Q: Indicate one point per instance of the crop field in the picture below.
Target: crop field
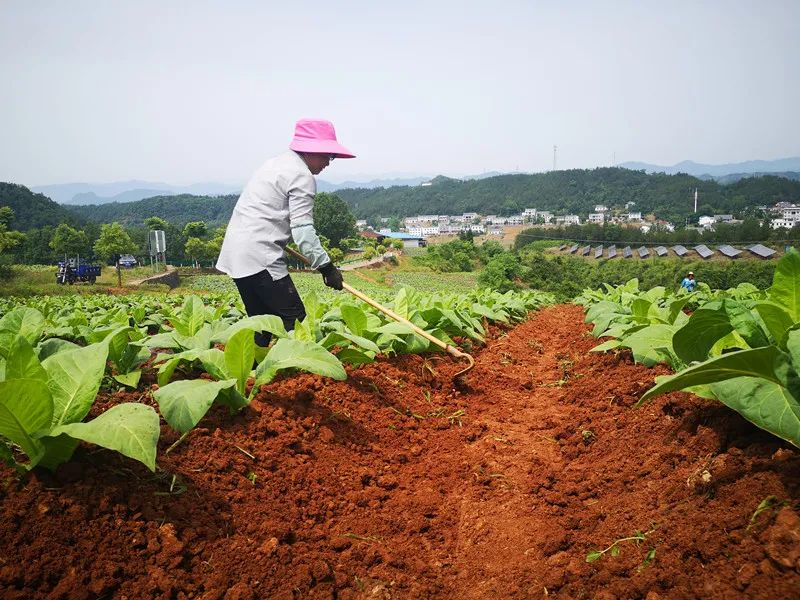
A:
(633, 444)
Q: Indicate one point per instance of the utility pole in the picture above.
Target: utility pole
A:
(695, 200)
(555, 151)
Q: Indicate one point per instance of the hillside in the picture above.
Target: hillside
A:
(577, 191)
(698, 169)
(574, 191)
(32, 211)
(178, 209)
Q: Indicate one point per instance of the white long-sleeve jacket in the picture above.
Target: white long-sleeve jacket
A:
(276, 205)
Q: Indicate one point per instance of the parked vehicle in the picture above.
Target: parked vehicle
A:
(128, 260)
(71, 271)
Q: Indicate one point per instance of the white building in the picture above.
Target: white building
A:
(515, 220)
(361, 224)
(596, 218)
(569, 220)
(723, 218)
(423, 231)
(529, 214)
(705, 221)
(634, 216)
(546, 216)
(777, 223)
(600, 208)
(469, 217)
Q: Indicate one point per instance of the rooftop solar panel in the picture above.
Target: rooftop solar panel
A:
(626, 252)
(703, 251)
(573, 248)
(643, 252)
(679, 250)
(598, 252)
(585, 250)
(661, 250)
(762, 251)
(729, 251)
(612, 251)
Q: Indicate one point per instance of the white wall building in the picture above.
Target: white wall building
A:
(361, 224)
(515, 220)
(634, 216)
(705, 221)
(600, 208)
(546, 216)
(469, 217)
(596, 218)
(569, 220)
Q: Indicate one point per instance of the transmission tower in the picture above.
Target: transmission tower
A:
(555, 154)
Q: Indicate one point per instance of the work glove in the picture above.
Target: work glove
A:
(331, 276)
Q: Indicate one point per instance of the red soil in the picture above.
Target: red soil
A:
(396, 484)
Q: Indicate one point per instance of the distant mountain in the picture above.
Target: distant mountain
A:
(127, 191)
(32, 211)
(326, 186)
(700, 170)
(734, 177)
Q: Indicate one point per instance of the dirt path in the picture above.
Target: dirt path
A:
(396, 484)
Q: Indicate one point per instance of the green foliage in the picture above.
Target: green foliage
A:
(333, 219)
(567, 276)
(741, 346)
(34, 211)
(67, 240)
(45, 395)
(501, 272)
(195, 229)
(113, 241)
(457, 255)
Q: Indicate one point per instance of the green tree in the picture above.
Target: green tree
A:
(67, 240)
(113, 241)
(394, 223)
(397, 244)
(369, 253)
(501, 272)
(198, 250)
(156, 223)
(333, 219)
(8, 238)
(195, 229)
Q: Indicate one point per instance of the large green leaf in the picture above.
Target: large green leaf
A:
(354, 318)
(758, 362)
(297, 354)
(25, 321)
(776, 318)
(650, 344)
(184, 403)
(26, 407)
(766, 404)
(131, 429)
(257, 323)
(53, 346)
(74, 378)
(239, 356)
(191, 318)
(22, 362)
(693, 341)
(785, 288)
(213, 361)
(167, 369)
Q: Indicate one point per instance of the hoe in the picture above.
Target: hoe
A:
(452, 350)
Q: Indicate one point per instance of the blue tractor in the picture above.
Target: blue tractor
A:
(72, 270)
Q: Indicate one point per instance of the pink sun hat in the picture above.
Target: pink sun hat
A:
(317, 135)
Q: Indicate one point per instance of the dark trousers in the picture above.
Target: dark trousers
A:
(264, 296)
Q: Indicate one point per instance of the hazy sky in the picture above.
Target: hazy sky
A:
(184, 92)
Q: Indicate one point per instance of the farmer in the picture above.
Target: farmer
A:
(688, 282)
(277, 205)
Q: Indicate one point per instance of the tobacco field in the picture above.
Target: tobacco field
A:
(633, 444)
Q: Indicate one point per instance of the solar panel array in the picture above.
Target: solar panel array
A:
(729, 251)
(703, 251)
(761, 251)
